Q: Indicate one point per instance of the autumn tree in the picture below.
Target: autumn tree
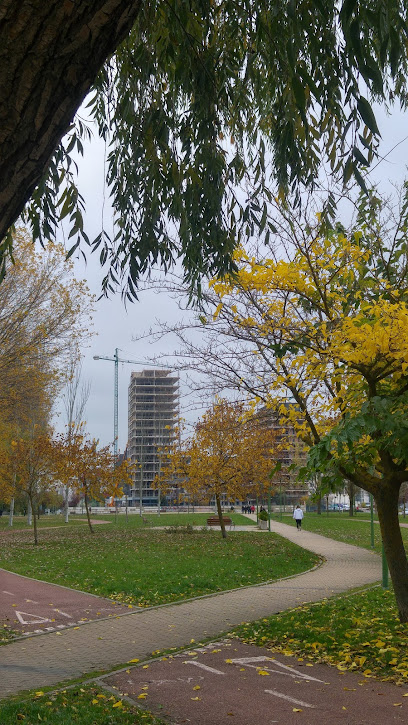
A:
(44, 318)
(230, 453)
(328, 326)
(28, 464)
(90, 470)
(190, 98)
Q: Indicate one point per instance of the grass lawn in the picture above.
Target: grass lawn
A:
(133, 520)
(350, 529)
(358, 632)
(84, 705)
(149, 567)
(20, 522)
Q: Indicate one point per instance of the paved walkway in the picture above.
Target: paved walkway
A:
(48, 659)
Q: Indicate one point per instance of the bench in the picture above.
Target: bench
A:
(214, 521)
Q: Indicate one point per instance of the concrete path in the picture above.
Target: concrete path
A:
(48, 659)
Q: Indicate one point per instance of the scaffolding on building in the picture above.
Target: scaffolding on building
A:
(153, 415)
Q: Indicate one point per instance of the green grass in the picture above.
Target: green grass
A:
(349, 529)
(133, 520)
(20, 522)
(359, 632)
(84, 705)
(172, 519)
(149, 567)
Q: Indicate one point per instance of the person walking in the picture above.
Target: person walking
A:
(298, 516)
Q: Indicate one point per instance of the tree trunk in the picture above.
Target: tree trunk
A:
(220, 516)
(31, 509)
(319, 505)
(352, 493)
(11, 514)
(29, 513)
(66, 507)
(50, 54)
(386, 500)
(88, 515)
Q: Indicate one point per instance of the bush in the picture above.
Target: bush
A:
(263, 516)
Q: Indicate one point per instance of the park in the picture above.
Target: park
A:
(202, 187)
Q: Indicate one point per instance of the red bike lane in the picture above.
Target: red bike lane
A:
(233, 683)
(29, 606)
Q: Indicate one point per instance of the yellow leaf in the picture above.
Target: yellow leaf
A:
(39, 693)
(229, 662)
(196, 687)
(142, 696)
(195, 698)
(135, 660)
(263, 672)
(118, 704)
(297, 709)
(95, 702)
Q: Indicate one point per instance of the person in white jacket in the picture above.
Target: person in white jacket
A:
(298, 516)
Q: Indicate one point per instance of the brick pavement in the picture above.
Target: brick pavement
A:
(47, 659)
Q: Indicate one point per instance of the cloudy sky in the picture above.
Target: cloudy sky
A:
(115, 325)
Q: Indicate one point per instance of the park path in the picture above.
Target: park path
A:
(46, 660)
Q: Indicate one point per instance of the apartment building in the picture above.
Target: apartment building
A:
(153, 412)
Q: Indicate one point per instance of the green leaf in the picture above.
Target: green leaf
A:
(359, 156)
(367, 114)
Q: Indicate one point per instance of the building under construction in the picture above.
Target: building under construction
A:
(153, 414)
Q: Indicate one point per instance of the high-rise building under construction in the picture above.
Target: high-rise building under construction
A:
(153, 413)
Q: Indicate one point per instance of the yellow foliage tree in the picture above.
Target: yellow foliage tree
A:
(44, 317)
(330, 325)
(88, 469)
(230, 453)
(27, 466)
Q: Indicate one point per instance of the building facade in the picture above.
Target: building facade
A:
(153, 413)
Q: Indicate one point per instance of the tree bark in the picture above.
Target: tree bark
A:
(220, 516)
(352, 494)
(34, 518)
(11, 514)
(66, 506)
(29, 513)
(50, 54)
(386, 500)
(319, 505)
(88, 515)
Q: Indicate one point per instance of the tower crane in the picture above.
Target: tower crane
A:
(116, 359)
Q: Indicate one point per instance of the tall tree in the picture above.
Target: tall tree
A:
(89, 469)
(75, 396)
(330, 325)
(29, 462)
(229, 454)
(195, 96)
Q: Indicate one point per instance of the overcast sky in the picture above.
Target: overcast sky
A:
(116, 325)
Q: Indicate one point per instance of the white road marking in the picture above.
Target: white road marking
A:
(203, 667)
(32, 618)
(248, 660)
(31, 601)
(291, 671)
(64, 614)
(10, 593)
(290, 699)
